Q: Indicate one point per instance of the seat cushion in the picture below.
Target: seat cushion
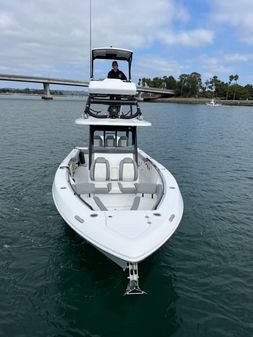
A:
(146, 188)
(128, 170)
(84, 188)
(100, 169)
(127, 187)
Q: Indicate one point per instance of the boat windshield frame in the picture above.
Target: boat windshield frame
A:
(132, 148)
(116, 54)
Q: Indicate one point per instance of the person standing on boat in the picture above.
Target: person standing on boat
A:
(116, 73)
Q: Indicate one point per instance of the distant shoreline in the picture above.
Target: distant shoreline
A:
(176, 100)
(200, 101)
(39, 95)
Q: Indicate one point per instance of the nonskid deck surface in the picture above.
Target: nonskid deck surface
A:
(114, 202)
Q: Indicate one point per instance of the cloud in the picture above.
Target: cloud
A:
(5, 21)
(155, 65)
(211, 66)
(191, 38)
(238, 57)
(43, 36)
(237, 14)
(39, 35)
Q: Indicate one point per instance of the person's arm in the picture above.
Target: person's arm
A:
(123, 76)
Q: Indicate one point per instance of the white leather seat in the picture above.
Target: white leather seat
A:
(128, 170)
(128, 174)
(123, 141)
(110, 141)
(100, 174)
(98, 141)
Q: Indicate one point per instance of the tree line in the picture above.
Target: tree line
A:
(191, 85)
(40, 91)
(28, 91)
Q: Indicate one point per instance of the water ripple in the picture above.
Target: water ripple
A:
(199, 283)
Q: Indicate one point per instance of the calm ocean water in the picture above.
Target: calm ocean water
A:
(200, 283)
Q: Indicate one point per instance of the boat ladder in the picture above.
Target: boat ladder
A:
(133, 285)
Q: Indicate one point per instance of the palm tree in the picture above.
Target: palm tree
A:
(231, 78)
(182, 81)
(236, 77)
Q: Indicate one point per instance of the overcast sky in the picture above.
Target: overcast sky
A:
(51, 37)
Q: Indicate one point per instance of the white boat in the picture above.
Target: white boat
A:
(112, 193)
(213, 103)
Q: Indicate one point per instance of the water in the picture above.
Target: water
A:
(200, 283)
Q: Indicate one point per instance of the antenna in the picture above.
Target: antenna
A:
(90, 25)
(90, 45)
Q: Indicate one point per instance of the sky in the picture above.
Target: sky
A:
(168, 37)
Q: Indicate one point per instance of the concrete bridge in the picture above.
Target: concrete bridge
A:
(47, 81)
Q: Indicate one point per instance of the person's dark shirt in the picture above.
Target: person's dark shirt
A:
(117, 74)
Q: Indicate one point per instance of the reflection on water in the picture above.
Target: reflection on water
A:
(199, 283)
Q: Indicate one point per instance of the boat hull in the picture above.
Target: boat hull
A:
(125, 236)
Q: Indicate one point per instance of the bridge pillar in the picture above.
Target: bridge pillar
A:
(47, 94)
